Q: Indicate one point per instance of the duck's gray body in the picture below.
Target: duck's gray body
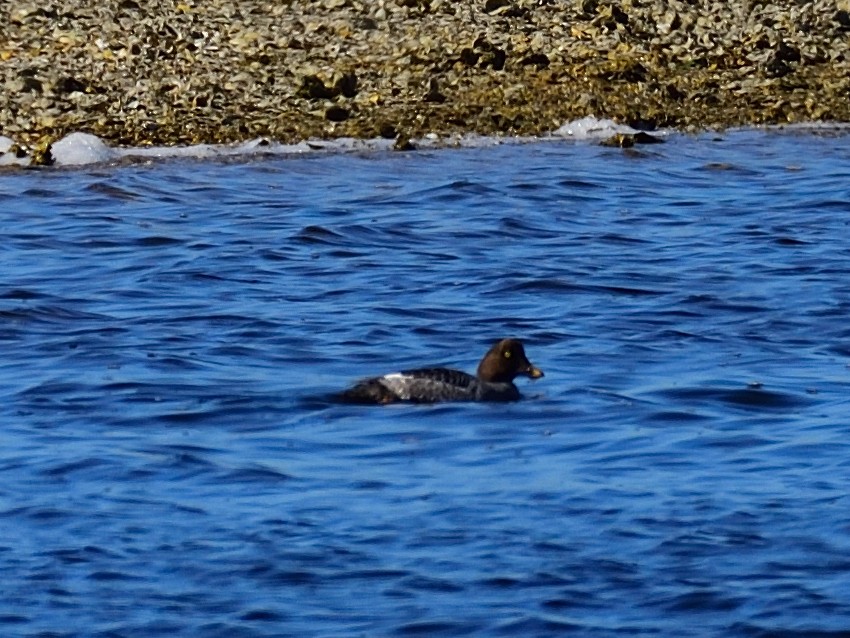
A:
(429, 385)
(493, 381)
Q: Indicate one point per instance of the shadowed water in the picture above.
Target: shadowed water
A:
(170, 334)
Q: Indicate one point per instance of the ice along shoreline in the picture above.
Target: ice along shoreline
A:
(82, 149)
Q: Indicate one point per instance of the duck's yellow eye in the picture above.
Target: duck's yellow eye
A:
(507, 354)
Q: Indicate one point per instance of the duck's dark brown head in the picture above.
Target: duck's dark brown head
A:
(505, 361)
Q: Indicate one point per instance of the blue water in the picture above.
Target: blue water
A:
(170, 334)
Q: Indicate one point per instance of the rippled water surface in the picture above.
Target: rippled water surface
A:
(171, 464)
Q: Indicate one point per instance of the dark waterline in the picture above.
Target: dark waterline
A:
(171, 466)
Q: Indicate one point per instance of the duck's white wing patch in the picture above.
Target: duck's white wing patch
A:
(430, 385)
(398, 383)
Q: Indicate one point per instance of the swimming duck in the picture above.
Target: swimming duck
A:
(493, 381)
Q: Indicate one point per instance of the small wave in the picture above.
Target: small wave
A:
(560, 285)
(458, 190)
(22, 294)
(155, 241)
(261, 475)
(113, 192)
(747, 397)
(261, 615)
(318, 235)
(64, 470)
(788, 630)
(701, 601)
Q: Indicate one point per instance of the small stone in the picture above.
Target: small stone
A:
(619, 140)
(346, 85)
(387, 131)
(540, 60)
(645, 138)
(433, 94)
(70, 84)
(787, 53)
(492, 6)
(469, 57)
(31, 83)
(403, 143)
(312, 87)
(41, 155)
(337, 113)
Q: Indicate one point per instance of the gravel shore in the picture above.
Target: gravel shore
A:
(163, 72)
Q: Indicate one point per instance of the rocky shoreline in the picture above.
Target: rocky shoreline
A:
(189, 71)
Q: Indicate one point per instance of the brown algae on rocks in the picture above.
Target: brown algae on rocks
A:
(182, 72)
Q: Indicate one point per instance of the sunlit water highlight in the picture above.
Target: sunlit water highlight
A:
(171, 464)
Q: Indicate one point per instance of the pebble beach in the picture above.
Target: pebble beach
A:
(184, 72)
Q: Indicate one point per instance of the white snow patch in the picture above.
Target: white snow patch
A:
(8, 158)
(591, 128)
(81, 148)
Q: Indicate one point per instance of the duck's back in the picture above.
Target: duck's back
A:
(429, 385)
